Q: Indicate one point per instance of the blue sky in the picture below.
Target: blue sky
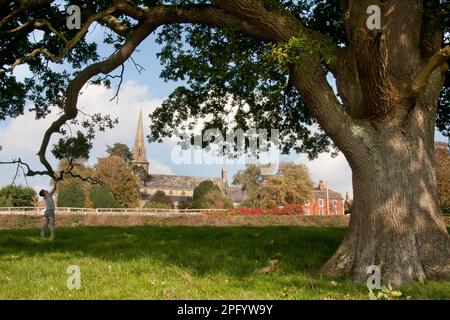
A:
(21, 137)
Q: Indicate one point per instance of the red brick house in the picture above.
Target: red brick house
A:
(324, 202)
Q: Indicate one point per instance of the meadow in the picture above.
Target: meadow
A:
(173, 262)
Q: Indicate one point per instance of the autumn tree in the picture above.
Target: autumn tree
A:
(208, 195)
(442, 168)
(114, 173)
(214, 199)
(292, 185)
(270, 62)
(123, 151)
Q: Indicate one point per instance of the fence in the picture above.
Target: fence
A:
(105, 211)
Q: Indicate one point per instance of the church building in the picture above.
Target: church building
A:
(178, 188)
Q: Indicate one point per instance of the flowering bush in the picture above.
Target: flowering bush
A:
(288, 210)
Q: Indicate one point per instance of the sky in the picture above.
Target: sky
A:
(21, 137)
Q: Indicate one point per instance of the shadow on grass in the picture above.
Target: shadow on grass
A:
(237, 251)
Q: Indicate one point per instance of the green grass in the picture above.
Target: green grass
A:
(180, 263)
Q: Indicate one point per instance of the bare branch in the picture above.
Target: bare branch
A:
(138, 67)
(29, 173)
(91, 180)
(116, 95)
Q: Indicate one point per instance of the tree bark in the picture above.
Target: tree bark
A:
(396, 222)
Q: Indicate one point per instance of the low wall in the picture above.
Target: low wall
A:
(19, 220)
(22, 221)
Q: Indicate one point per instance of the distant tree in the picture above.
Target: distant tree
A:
(250, 181)
(102, 197)
(441, 161)
(71, 195)
(201, 190)
(207, 195)
(215, 199)
(116, 174)
(123, 151)
(17, 196)
(120, 150)
(292, 185)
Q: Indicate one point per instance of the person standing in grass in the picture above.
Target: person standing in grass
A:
(49, 214)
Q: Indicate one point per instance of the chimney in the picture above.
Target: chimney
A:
(321, 185)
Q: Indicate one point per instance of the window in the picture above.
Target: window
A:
(320, 202)
(335, 203)
(334, 213)
(307, 202)
(307, 212)
(321, 212)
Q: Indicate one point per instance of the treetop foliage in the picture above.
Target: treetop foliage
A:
(230, 80)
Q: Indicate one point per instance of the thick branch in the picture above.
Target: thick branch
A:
(437, 60)
(116, 25)
(29, 173)
(70, 44)
(73, 90)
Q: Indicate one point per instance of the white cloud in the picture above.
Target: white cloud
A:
(157, 167)
(21, 137)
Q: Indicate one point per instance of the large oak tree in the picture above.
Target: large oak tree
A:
(271, 60)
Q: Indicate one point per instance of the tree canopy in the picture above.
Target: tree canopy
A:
(250, 82)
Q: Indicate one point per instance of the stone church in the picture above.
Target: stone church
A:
(178, 188)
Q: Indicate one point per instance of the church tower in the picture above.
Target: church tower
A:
(139, 152)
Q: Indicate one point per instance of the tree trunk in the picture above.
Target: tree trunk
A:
(396, 222)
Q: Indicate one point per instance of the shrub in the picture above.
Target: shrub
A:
(185, 205)
(288, 210)
(156, 205)
(162, 198)
(17, 196)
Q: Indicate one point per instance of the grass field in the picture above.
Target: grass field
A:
(180, 263)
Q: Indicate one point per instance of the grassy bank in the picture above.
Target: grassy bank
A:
(180, 263)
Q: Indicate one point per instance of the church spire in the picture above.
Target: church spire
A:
(139, 152)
